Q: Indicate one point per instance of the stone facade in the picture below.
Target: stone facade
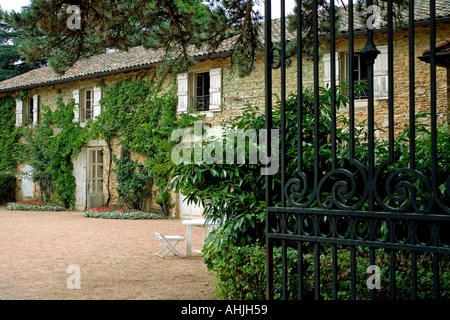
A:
(239, 92)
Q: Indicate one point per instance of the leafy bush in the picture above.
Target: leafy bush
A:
(7, 187)
(10, 148)
(116, 213)
(51, 147)
(35, 206)
(134, 181)
(237, 201)
(241, 271)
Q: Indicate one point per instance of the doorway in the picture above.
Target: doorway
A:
(94, 177)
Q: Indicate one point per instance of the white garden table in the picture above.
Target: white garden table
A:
(189, 224)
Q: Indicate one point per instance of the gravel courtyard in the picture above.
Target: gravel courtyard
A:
(116, 259)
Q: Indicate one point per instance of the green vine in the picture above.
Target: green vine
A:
(23, 94)
(10, 147)
(136, 112)
(52, 145)
(141, 116)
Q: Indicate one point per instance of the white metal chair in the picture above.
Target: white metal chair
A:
(170, 243)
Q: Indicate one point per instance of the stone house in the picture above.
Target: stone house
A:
(400, 63)
(212, 88)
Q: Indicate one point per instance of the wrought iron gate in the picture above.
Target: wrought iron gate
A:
(328, 221)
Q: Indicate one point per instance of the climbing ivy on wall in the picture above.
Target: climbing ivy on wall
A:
(136, 112)
(51, 146)
(10, 148)
(142, 117)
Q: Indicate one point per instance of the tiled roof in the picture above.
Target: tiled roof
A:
(421, 14)
(442, 54)
(140, 58)
(106, 63)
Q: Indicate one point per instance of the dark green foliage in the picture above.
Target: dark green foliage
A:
(10, 147)
(52, 145)
(39, 158)
(134, 181)
(240, 270)
(235, 191)
(172, 25)
(7, 187)
(142, 118)
(11, 63)
(240, 234)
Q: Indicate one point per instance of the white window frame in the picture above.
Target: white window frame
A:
(79, 96)
(342, 72)
(187, 90)
(27, 111)
(85, 101)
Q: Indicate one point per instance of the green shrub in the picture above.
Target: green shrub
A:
(115, 213)
(241, 271)
(237, 198)
(35, 206)
(7, 187)
(134, 181)
(10, 147)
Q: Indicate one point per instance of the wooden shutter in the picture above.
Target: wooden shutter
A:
(215, 89)
(19, 112)
(96, 103)
(76, 109)
(182, 79)
(327, 69)
(35, 109)
(380, 74)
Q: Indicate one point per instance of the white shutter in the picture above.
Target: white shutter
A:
(96, 104)
(182, 79)
(327, 69)
(76, 110)
(215, 89)
(380, 74)
(35, 109)
(19, 112)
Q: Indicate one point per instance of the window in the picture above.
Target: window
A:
(201, 95)
(200, 91)
(359, 72)
(28, 112)
(87, 105)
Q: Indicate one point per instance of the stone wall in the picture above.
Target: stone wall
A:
(401, 78)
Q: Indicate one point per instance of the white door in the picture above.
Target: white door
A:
(95, 178)
(27, 182)
(189, 211)
(80, 174)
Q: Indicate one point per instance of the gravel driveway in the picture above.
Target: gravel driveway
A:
(49, 255)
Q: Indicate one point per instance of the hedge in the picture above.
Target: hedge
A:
(7, 187)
